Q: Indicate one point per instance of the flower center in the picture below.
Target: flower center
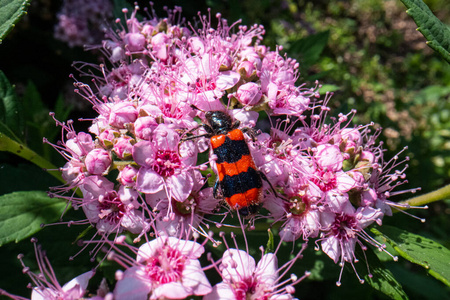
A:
(171, 111)
(111, 208)
(166, 266)
(185, 207)
(297, 206)
(344, 227)
(326, 181)
(166, 162)
(249, 289)
(204, 84)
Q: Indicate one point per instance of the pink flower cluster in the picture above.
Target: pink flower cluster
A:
(81, 22)
(140, 167)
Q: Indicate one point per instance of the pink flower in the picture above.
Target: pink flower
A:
(163, 167)
(45, 284)
(344, 229)
(72, 290)
(109, 210)
(165, 267)
(244, 279)
(176, 218)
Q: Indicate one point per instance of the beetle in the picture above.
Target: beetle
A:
(238, 178)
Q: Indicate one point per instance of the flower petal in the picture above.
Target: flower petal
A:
(180, 186)
(133, 286)
(195, 278)
(331, 247)
(148, 181)
(267, 269)
(237, 265)
(172, 290)
(220, 291)
(76, 288)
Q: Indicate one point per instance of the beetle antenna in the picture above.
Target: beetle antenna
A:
(195, 107)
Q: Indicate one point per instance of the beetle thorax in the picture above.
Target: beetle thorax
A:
(219, 121)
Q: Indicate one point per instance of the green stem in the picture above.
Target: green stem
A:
(440, 194)
(7, 144)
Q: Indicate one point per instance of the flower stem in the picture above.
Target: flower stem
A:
(19, 149)
(440, 194)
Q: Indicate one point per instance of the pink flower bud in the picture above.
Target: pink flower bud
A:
(197, 45)
(122, 113)
(123, 147)
(127, 176)
(72, 171)
(81, 144)
(144, 126)
(329, 157)
(107, 137)
(249, 93)
(147, 30)
(253, 57)
(97, 161)
(352, 134)
(134, 41)
(368, 156)
(159, 43)
(226, 62)
(117, 52)
(246, 69)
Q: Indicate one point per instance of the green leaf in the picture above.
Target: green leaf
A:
(22, 213)
(434, 257)
(436, 32)
(119, 5)
(419, 285)
(308, 49)
(11, 119)
(33, 102)
(24, 177)
(10, 13)
(382, 280)
(61, 109)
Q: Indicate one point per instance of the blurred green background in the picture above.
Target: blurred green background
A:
(367, 52)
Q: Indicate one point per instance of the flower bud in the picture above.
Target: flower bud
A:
(159, 44)
(107, 137)
(122, 113)
(97, 161)
(81, 144)
(246, 69)
(123, 147)
(144, 126)
(134, 41)
(127, 176)
(71, 171)
(249, 93)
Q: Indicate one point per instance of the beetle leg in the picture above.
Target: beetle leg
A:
(251, 132)
(216, 188)
(264, 177)
(208, 133)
